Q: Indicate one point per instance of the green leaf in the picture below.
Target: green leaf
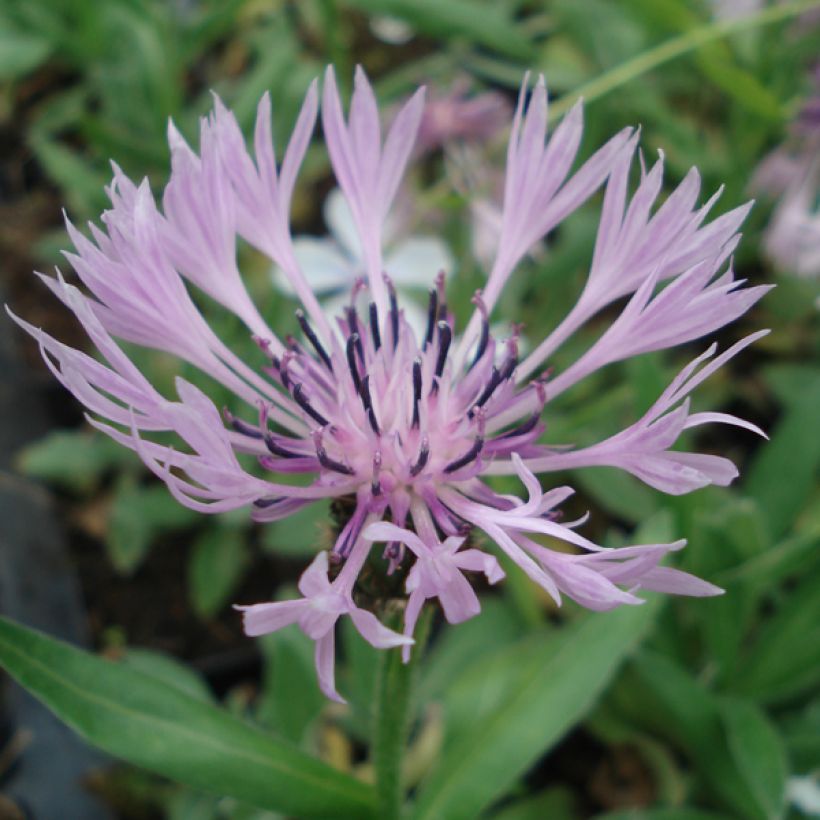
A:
(618, 493)
(660, 814)
(555, 803)
(136, 717)
(20, 53)
(215, 567)
(758, 753)
(784, 661)
(550, 686)
(291, 699)
(301, 534)
(783, 475)
(138, 514)
(73, 460)
(169, 670)
(662, 696)
(480, 23)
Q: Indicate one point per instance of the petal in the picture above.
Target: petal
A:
(478, 561)
(260, 619)
(458, 600)
(314, 579)
(325, 666)
(375, 632)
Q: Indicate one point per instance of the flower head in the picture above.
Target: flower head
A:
(407, 424)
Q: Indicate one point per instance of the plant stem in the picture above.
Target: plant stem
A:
(394, 686)
(675, 47)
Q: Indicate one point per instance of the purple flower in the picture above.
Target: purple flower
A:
(791, 175)
(361, 406)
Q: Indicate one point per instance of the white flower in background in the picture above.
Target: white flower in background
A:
(333, 263)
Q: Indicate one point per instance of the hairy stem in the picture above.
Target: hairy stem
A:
(394, 688)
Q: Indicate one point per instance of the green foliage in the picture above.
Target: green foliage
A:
(720, 700)
(141, 719)
(506, 711)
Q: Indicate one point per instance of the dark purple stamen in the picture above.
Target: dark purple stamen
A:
(301, 399)
(351, 362)
(424, 456)
(508, 367)
(283, 373)
(241, 426)
(277, 449)
(374, 326)
(445, 336)
(394, 313)
(313, 339)
(482, 342)
(523, 428)
(469, 456)
(331, 464)
(494, 381)
(416, 391)
(368, 404)
(432, 310)
(264, 503)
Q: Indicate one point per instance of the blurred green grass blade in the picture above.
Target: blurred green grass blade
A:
(215, 568)
(482, 24)
(75, 460)
(665, 698)
(660, 814)
(784, 661)
(784, 473)
(673, 48)
(138, 718)
(20, 52)
(555, 803)
(715, 60)
(291, 699)
(551, 686)
(758, 753)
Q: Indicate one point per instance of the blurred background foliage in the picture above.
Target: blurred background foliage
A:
(715, 711)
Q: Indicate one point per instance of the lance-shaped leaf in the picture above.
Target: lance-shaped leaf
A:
(146, 722)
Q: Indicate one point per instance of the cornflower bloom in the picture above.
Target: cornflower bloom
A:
(360, 407)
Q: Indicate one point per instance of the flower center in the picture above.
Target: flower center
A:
(396, 412)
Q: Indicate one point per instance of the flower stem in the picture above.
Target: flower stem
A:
(394, 686)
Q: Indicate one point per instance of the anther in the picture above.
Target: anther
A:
(276, 449)
(374, 326)
(432, 312)
(325, 460)
(241, 426)
(351, 361)
(508, 367)
(375, 484)
(300, 398)
(478, 301)
(394, 310)
(424, 457)
(492, 383)
(523, 428)
(313, 338)
(263, 503)
(416, 391)
(469, 456)
(445, 336)
(368, 405)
